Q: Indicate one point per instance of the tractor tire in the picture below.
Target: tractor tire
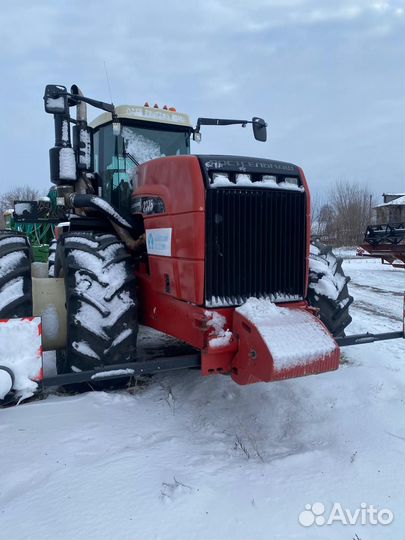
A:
(15, 275)
(327, 288)
(101, 302)
(51, 258)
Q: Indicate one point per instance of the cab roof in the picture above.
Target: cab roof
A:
(144, 114)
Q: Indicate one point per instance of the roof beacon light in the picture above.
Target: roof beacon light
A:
(173, 109)
(155, 106)
(146, 104)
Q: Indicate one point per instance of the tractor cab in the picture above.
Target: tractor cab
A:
(135, 135)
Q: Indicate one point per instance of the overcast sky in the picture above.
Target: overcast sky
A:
(327, 75)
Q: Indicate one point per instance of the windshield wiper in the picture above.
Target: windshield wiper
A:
(131, 157)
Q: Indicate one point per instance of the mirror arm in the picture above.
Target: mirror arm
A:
(222, 122)
(74, 99)
(219, 122)
(109, 107)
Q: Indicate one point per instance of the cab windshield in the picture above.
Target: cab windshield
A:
(117, 156)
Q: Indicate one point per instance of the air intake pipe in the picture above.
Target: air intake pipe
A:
(92, 201)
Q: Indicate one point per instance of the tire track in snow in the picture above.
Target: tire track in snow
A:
(374, 289)
(377, 311)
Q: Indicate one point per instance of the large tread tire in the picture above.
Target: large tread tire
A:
(327, 288)
(15, 275)
(100, 301)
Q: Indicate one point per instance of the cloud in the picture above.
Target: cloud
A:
(327, 76)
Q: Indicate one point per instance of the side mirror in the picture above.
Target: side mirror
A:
(62, 163)
(55, 99)
(259, 129)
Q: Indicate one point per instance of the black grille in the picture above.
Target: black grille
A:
(255, 245)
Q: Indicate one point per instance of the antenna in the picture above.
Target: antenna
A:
(108, 81)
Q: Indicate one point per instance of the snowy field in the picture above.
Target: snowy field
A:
(186, 457)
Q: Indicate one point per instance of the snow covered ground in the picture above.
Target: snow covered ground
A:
(186, 457)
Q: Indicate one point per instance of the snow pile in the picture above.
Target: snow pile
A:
(140, 147)
(67, 164)
(293, 336)
(245, 180)
(221, 337)
(278, 297)
(221, 180)
(290, 186)
(20, 350)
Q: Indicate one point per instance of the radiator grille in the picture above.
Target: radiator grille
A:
(255, 245)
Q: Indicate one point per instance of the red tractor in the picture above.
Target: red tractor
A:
(212, 250)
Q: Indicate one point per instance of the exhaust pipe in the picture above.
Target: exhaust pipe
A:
(81, 110)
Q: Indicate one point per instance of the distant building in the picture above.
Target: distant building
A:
(392, 210)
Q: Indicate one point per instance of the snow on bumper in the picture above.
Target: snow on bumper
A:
(21, 353)
(280, 343)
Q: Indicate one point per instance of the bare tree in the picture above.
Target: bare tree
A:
(348, 213)
(20, 193)
(326, 222)
(315, 209)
